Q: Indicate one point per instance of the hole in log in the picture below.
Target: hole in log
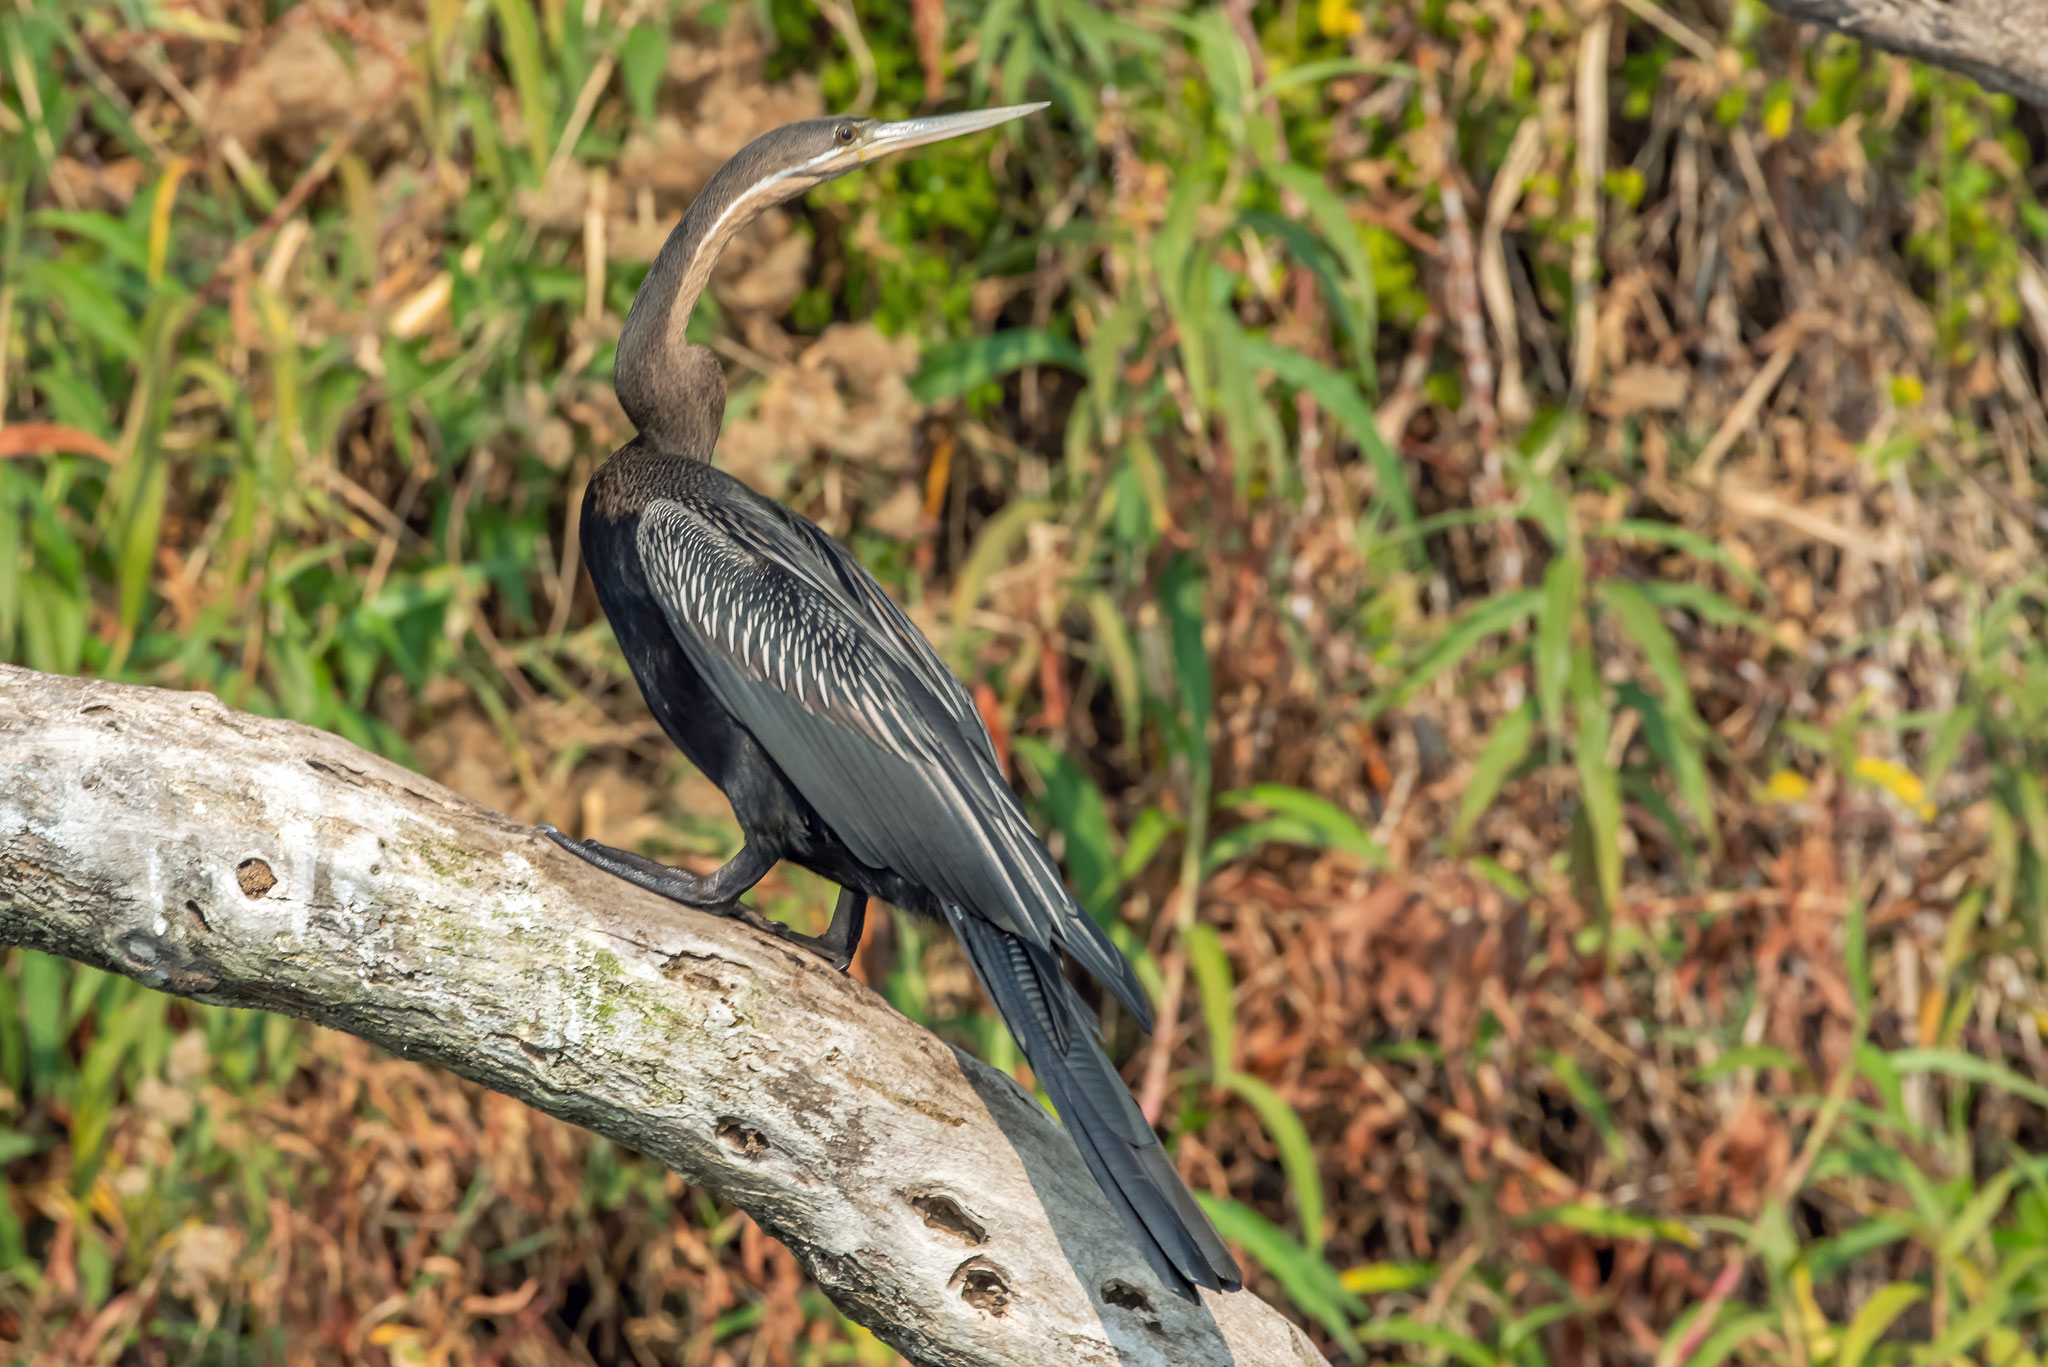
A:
(982, 1287)
(942, 1212)
(92, 707)
(1123, 1294)
(742, 1139)
(255, 877)
(192, 910)
(140, 949)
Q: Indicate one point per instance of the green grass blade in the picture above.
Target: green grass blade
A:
(1587, 1098)
(1737, 1327)
(1297, 1153)
(1215, 992)
(1119, 661)
(1341, 399)
(1312, 1284)
(1563, 589)
(1606, 1223)
(1599, 784)
(1997, 1303)
(1985, 1206)
(522, 48)
(642, 55)
(1403, 1329)
(84, 299)
(1968, 1068)
(1681, 539)
(1638, 618)
(954, 368)
(1082, 815)
(1503, 753)
(1299, 818)
(1000, 535)
(1488, 617)
(1708, 606)
(1181, 596)
(1335, 226)
(1313, 253)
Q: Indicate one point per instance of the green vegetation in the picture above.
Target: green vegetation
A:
(1503, 545)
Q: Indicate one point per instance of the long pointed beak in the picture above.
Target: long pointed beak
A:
(897, 137)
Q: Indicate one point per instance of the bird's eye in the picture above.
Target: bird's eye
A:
(844, 134)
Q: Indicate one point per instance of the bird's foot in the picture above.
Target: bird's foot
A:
(710, 894)
(836, 955)
(678, 885)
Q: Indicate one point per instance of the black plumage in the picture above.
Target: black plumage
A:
(783, 671)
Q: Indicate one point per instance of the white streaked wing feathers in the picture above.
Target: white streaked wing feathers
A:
(840, 713)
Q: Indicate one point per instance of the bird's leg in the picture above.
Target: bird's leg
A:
(848, 920)
(842, 937)
(718, 892)
(835, 946)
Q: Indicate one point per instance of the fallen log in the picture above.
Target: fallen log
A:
(250, 862)
(2000, 44)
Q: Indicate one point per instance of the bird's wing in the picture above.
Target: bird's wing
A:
(846, 696)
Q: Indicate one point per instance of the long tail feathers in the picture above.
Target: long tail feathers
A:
(1058, 1035)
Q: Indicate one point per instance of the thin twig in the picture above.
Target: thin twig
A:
(1678, 32)
(1525, 155)
(842, 18)
(1751, 402)
(1681, 1350)
(1591, 97)
(1461, 304)
(243, 253)
(593, 87)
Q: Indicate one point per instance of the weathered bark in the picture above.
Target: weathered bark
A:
(260, 863)
(2001, 44)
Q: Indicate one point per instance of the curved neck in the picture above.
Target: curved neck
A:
(675, 392)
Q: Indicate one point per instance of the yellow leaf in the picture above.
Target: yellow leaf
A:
(1818, 1334)
(1785, 786)
(1339, 18)
(1902, 783)
(186, 22)
(1372, 1279)
(1975, 1279)
(1875, 1316)
(2005, 1347)
(1778, 118)
(160, 216)
(1933, 1007)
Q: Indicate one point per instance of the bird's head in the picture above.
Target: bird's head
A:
(674, 394)
(784, 162)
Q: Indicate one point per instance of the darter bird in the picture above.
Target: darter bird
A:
(783, 671)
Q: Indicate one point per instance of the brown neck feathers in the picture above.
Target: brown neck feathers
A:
(675, 392)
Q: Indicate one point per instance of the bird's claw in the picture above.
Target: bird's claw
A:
(746, 915)
(838, 958)
(671, 883)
